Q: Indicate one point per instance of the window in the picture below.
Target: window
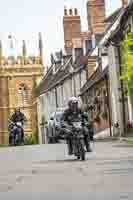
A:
(23, 93)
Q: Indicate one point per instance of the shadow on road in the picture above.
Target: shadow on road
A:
(123, 145)
(59, 161)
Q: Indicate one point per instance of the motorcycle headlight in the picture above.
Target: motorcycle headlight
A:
(57, 128)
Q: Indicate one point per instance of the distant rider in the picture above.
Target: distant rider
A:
(18, 116)
(74, 112)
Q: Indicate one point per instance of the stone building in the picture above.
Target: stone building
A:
(17, 78)
(63, 80)
(95, 93)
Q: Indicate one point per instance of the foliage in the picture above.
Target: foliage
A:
(130, 141)
(35, 136)
(129, 130)
(97, 118)
(28, 140)
(105, 115)
(127, 60)
(32, 139)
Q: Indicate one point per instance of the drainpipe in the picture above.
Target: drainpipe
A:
(108, 102)
(56, 98)
(122, 92)
(117, 45)
(74, 85)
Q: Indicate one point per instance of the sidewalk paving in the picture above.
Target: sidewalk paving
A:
(105, 136)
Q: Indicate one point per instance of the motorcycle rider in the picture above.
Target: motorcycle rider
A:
(74, 112)
(18, 116)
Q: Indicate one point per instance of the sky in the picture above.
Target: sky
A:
(23, 19)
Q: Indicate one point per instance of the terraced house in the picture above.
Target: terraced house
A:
(104, 93)
(85, 69)
(68, 72)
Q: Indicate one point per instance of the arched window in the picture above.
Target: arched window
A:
(23, 93)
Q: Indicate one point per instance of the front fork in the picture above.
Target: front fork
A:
(78, 143)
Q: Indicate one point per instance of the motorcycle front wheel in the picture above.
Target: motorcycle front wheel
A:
(82, 150)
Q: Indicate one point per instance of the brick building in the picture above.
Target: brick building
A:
(73, 34)
(72, 26)
(96, 16)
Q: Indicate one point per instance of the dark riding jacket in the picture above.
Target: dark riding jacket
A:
(68, 117)
(17, 117)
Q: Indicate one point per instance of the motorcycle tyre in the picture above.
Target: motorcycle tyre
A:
(82, 150)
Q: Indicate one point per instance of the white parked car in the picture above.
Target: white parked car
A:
(54, 126)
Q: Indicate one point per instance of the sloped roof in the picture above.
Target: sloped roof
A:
(111, 18)
(118, 27)
(94, 79)
(52, 80)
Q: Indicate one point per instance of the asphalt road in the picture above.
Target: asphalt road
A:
(47, 173)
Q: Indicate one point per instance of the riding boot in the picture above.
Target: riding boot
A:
(87, 144)
(22, 135)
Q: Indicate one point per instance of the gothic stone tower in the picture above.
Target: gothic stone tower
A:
(17, 77)
(96, 15)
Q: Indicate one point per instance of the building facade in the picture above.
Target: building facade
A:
(55, 90)
(122, 105)
(85, 70)
(101, 93)
(17, 78)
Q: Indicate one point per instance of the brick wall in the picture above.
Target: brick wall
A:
(72, 26)
(96, 15)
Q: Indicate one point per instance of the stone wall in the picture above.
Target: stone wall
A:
(4, 110)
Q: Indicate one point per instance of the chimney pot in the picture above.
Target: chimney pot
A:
(65, 11)
(71, 12)
(76, 11)
(124, 3)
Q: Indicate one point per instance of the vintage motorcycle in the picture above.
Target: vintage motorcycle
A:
(15, 133)
(77, 138)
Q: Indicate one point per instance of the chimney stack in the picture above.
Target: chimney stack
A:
(124, 3)
(72, 26)
(96, 15)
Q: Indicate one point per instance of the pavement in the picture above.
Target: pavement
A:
(46, 172)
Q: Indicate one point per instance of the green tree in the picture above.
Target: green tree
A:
(127, 60)
(32, 139)
(35, 136)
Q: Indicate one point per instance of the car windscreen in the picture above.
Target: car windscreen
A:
(58, 116)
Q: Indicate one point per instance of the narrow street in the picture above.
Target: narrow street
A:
(46, 172)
